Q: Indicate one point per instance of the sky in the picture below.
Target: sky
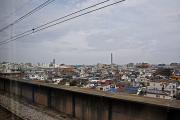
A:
(134, 31)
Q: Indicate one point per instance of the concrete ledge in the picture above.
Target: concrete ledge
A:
(174, 104)
(86, 104)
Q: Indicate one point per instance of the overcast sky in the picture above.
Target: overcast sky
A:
(134, 31)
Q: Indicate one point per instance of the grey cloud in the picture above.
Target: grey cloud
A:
(135, 31)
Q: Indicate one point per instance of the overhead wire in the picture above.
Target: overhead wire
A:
(28, 14)
(15, 11)
(34, 28)
(43, 28)
(73, 13)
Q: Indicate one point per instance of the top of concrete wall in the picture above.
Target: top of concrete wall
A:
(121, 96)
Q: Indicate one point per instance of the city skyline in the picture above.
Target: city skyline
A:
(107, 63)
(134, 31)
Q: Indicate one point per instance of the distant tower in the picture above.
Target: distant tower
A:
(111, 58)
(54, 62)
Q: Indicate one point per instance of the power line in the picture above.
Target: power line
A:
(72, 13)
(80, 15)
(28, 14)
(16, 10)
(34, 31)
(29, 31)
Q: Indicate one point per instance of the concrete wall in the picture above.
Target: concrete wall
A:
(62, 101)
(15, 88)
(91, 107)
(2, 85)
(27, 92)
(131, 111)
(86, 106)
(40, 95)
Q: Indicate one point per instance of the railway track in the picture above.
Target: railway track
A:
(6, 115)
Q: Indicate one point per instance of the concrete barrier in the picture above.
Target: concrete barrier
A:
(87, 104)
